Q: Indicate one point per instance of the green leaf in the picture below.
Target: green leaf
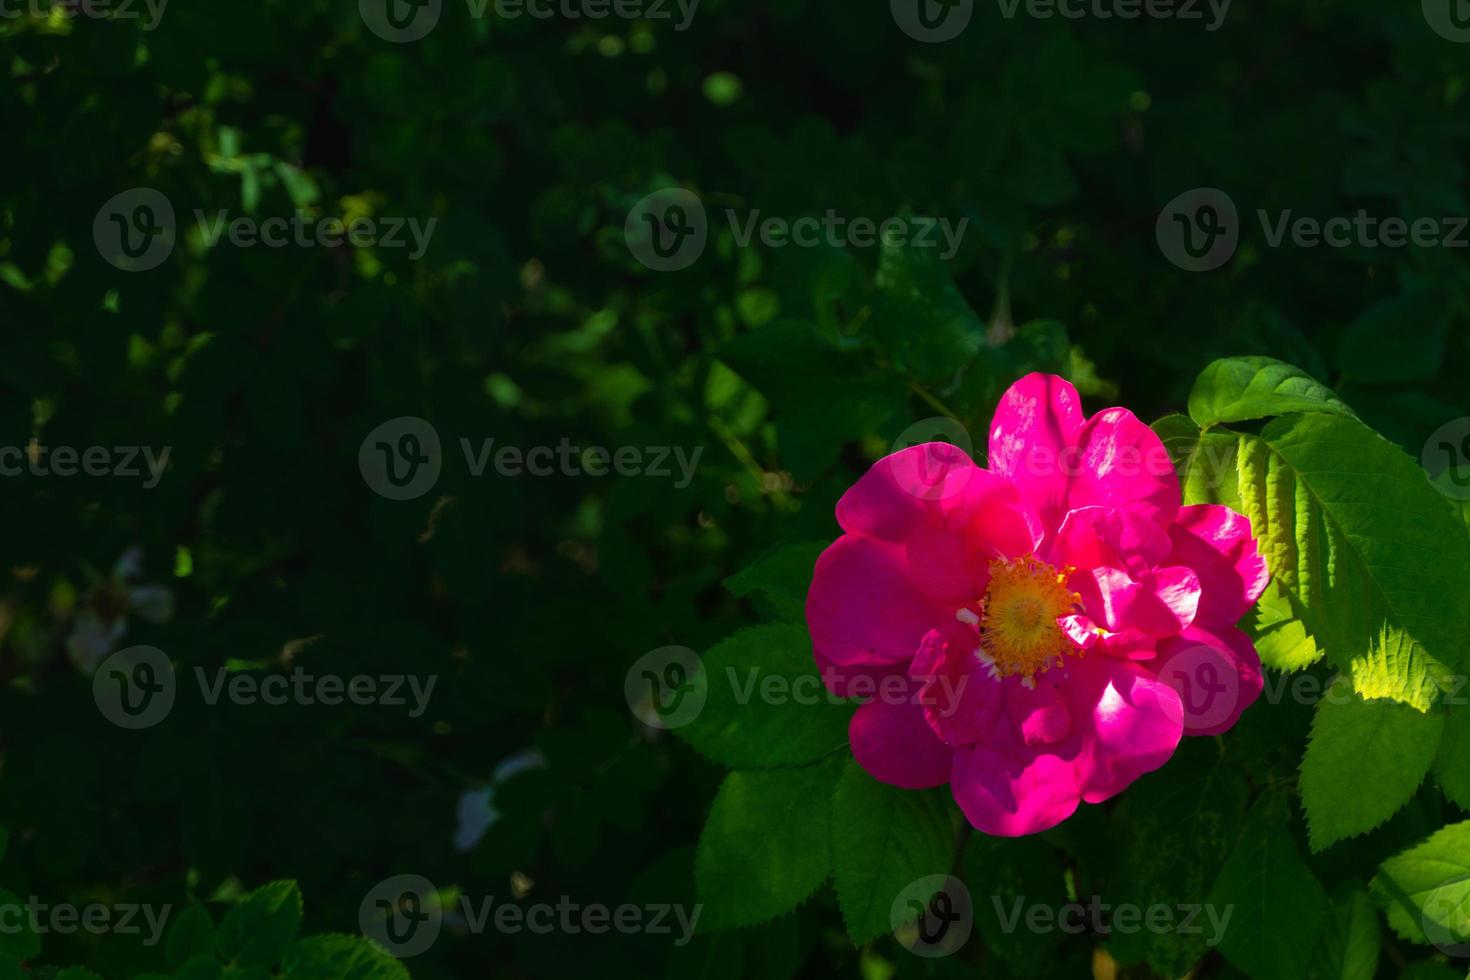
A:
(1278, 632)
(1355, 744)
(339, 957)
(190, 935)
(766, 845)
(822, 395)
(1007, 877)
(1269, 886)
(767, 705)
(782, 576)
(1205, 462)
(22, 943)
(1350, 945)
(1452, 767)
(1399, 341)
(770, 950)
(1426, 888)
(883, 839)
(1234, 389)
(257, 930)
(77, 973)
(920, 317)
(200, 968)
(1171, 834)
(1373, 558)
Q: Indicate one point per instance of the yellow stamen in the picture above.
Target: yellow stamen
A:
(1018, 627)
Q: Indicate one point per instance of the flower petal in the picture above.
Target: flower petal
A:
(1217, 543)
(1039, 713)
(1217, 674)
(895, 745)
(959, 698)
(1129, 722)
(1122, 463)
(856, 680)
(1092, 537)
(863, 608)
(904, 489)
(1011, 794)
(1161, 602)
(1034, 429)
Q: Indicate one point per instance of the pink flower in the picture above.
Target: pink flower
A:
(1041, 632)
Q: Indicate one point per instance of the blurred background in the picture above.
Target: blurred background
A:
(323, 325)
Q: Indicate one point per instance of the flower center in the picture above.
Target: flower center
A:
(1018, 624)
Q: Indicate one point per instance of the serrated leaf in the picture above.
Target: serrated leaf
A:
(1277, 629)
(1234, 389)
(766, 703)
(883, 839)
(1269, 886)
(1364, 760)
(339, 957)
(1373, 558)
(1452, 767)
(1426, 889)
(259, 928)
(766, 845)
(191, 934)
(1350, 944)
(782, 577)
